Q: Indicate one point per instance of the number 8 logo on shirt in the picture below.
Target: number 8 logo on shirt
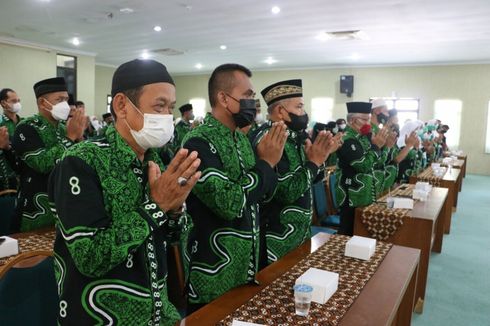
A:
(75, 187)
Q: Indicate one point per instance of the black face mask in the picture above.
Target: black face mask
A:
(298, 122)
(382, 118)
(247, 113)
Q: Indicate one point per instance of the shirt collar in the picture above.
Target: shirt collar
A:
(218, 127)
(124, 152)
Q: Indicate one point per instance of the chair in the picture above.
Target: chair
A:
(321, 209)
(7, 207)
(28, 295)
(325, 192)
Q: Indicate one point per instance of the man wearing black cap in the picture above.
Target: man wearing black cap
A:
(223, 246)
(286, 219)
(39, 142)
(10, 103)
(117, 212)
(358, 154)
(184, 125)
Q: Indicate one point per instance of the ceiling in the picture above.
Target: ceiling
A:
(401, 32)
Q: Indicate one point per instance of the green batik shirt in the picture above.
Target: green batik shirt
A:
(391, 168)
(181, 129)
(38, 146)
(407, 167)
(288, 215)
(355, 170)
(8, 166)
(380, 166)
(223, 246)
(111, 241)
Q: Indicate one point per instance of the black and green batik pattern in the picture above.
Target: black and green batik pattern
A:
(355, 171)
(38, 145)
(181, 130)
(110, 250)
(8, 176)
(223, 247)
(289, 213)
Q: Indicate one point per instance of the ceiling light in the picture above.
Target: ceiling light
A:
(343, 35)
(324, 36)
(157, 28)
(145, 55)
(75, 41)
(126, 10)
(198, 66)
(222, 47)
(270, 60)
(275, 10)
(355, 56)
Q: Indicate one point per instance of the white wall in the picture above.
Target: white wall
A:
(22, 67)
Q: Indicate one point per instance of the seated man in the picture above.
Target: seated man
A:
(116, 210)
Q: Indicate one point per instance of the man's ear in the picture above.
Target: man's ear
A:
(221, 99)
(119, 106)
(41, 102)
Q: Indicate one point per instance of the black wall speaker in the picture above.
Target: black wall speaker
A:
(347, 84)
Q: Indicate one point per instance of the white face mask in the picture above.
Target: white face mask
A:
(342, 126)
(60, 111)
(16, 107)
(157, 130)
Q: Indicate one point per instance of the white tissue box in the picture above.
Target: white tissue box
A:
(360, 247)
(324, 283)
(406, 203)
(243, 323)
(425, 186)
(420, 194)
(9, 247)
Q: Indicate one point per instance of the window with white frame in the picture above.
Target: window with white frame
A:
(449, 112)
(198, 107)
(487, 142)
(407, 108)
(321, 109)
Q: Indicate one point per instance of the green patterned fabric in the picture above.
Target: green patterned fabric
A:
(407, 167)
(8, 177)
(288, 214)
(223, 247)
(379, 166)
(38, 145)
(110, 249)
(181, 130)
(391, 168)
(357, 158)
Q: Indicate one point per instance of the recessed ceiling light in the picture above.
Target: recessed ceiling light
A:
(275, 10)
(343, 35)
(157, 28)
(126, 10)
(145, 55)
(198, 66)
(323, 36)
(75, 41)
(355, 56)
(270, 60)
(222, 47)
